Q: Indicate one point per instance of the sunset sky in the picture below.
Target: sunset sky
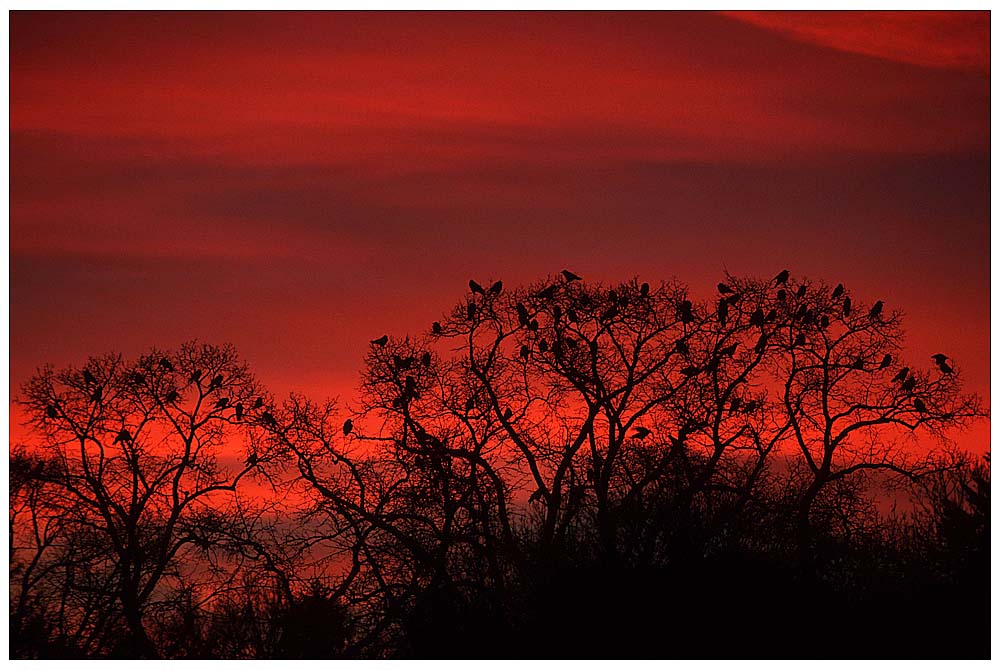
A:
(300, 183)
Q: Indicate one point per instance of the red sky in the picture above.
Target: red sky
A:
(300, 183)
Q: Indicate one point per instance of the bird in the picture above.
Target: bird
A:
(886, 362)
(525, 351)
(268, 419)
(52, 412)
(476, 288)
(507, 414)
(251, 460)
(571, 276)
(222, 403)
(723, 312)
(173, 396)
(543, 346)
(901, 375)
(436, 328)
(471, 311)
(734, 404)
(728, 351)
(771, 316)
(681, 347)
(522, 314)
(533, 325)
(724, 289)
(876, 311)
(258, 403)
(858, 364)
(847, 306)
(684, 311)
(690, 371)
(88, 377)
(641, 433)
(548, 292)
(800, 340)
(216, 382)
(571, 315)
(166, 364)
(919, 405)
(138, 378)
(801, 293)
(644, 289)
(496, 287)
(781, 295)
(837, 292)
(195, 376)
(123, 436)
(757, 318)
(425, 359)
(800, 313)
(610, 313)
(945, 368)
(824, 321)
(381, 341)
(781, 278)
(239, 411)
(751, 406)
(761, 343)
(909, 384)
(940, 358)
(348, 427)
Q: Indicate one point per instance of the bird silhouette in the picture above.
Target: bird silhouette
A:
(475, 287)
(239, 411)
(525, 351)
(723, 312)
(268, 419)
(641, 433)
(533, 325)
(548, 293)
(138, 378)
(724, 289)
(757, 318)
(781, 295)
(251, 460)
(909, 384)
(507, 414)
(381, 341)
(52, 412)
(690, 371)
(734, 404)
(684, 311)
(847, 306)
(570, 276)
(216, 382)
(945, 368)
(543, 346)
(195, 376)
(751, 406)
(800, 340)
(728, 351)
(348, 427)
(858, 364)
(801, 293)
(610, 313)
(644, 289)
(837, 292)
(681, 347)
(571, 315)
(886, 362)
(919, 405)
(436, 328)
(771, 316)
(781, 278)
(471, 311)
(876, 311)
(761, 343)
(800, 313)
(901, 375)
(88, 377)
(940, 358)
(425, 359)
(258, 403)
(166, 364)
(522, 314)
(123, 436)
(734, 299)
(496, 287)
(173, 396)
(222, 403)
(824, 322)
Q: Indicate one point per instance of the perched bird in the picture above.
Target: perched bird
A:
(771, 316)
(476, 288)
(800, 340)
(436, 328)
(173, 396)
(548, 292)
(690, 371)
(940, 358)
(734, 404)
(781, 278)
(761, 344)
(239, 411)
(571, 315)
(684, 311)
(723, 312)
(757, 318)
(52, 412)
(348, 427)
(543, 346)
(166, 364)
(800, 313)
(824, 321)
(88, 377)
(724, 289)
(734, 298)
(681, 347)
(886, 362)
(123, 436)
(216, 382)
(381, 341)
(781, 295)
(641, 433)
(258, 403)
(570, 276)
(222, 403)
(610, 313)
(751, 406)
(728, 351)
(945, 368)
(533, 325)
(507, 414)
(525, 351)
(425, 359)
(858, 364)
(909, 384)
(644, 289)
(876, 311)
(496, 287)
(138, 378)
(195, 376)
(847, 306)
(522, 314)
(919, 405)
(268, 419)
(251, 460)
(471, 311)
(801, 293)
(837, 292)
(901, 375)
